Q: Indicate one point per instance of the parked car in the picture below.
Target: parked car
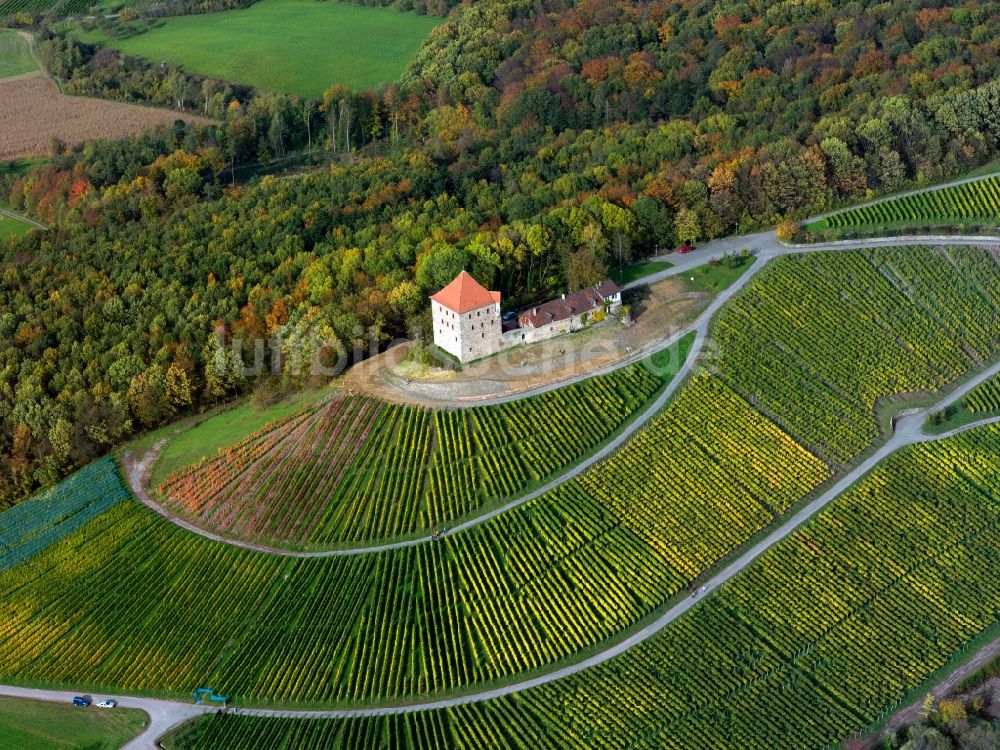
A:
(509, 316)
(82, 701)
(107, 703)
(685, 249)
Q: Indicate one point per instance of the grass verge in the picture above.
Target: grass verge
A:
(43, 726)
(638, 270)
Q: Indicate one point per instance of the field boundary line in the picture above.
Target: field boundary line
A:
(167, 714)
(20, 217)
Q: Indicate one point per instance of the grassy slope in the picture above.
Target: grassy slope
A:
(41, 726)
(706, 278)
(15, 57)
(12, 227)
(713, 279)
(224, 429)
(956, 416)
(666, 363)
(298, 46)
(638, 270)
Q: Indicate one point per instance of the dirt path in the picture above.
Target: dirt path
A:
(17, 216)
(945, 687)
(528, 370)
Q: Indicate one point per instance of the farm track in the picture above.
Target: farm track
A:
(765, 247)
(907, 431)
(166, 714)
(939, 690)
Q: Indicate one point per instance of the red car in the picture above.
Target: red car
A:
(685, 249)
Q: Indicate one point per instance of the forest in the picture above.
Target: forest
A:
(537, 144)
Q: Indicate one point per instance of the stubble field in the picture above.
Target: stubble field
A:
(33, 111)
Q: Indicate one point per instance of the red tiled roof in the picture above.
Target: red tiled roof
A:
(464, 293)
(570, 305)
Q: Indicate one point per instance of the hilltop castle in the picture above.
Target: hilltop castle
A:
(468, 325)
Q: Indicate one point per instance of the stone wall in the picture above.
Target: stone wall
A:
(532, 335)
(469, 335)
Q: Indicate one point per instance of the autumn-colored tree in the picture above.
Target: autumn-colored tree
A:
(584, 268)
(178, 386)
(687, 226)
(787, 231)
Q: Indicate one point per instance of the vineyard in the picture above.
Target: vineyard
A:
(985, 398)
(31, 526)
(64, 7)
(730, 453)
(534, 585)
(972, 203)
(821, 636)
(714, 440)
(356, 469)
(817, 340)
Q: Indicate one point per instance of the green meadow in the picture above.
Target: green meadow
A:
(12, 227)
(15, 57)
(299, 46)
(36, 725)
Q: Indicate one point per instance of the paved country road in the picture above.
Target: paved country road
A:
(765, 247)
(907, 431)
(20, 217)
(165, 714)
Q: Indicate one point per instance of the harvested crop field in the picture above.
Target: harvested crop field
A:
(33, 110)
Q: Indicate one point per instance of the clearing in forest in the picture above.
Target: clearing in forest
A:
(298, 46)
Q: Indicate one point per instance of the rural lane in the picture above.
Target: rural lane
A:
(22, 218)
(764, 246)
(165, 714)
(137, 470)
(767, 245)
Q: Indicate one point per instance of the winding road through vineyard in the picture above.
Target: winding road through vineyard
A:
(167, 714)
(906, 431)
(764, 246)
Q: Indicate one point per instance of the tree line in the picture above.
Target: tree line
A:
(535, 144)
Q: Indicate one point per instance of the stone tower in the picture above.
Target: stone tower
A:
(467, 319)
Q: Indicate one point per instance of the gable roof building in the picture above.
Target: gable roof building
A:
(572, 305)
(467, 322)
